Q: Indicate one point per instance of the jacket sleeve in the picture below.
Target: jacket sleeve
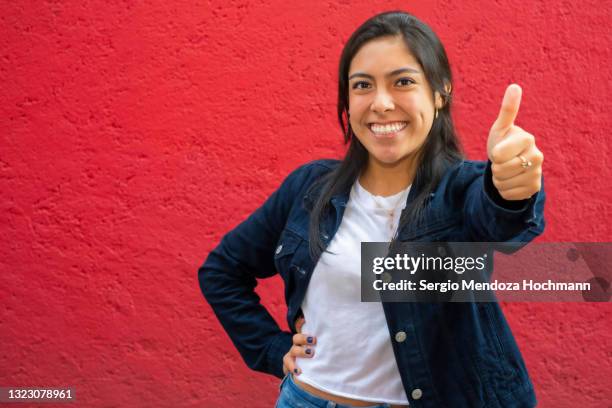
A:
(491, 218)
(228, 280)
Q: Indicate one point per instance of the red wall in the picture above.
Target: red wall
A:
(135, 134)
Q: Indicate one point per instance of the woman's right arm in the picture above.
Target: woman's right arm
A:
(228, 279)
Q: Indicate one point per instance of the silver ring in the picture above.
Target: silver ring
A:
(524, 162)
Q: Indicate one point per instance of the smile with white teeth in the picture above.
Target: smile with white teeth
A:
(387, 128)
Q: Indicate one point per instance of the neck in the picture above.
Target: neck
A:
(385, 180)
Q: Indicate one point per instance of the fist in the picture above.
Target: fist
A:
(516, 161)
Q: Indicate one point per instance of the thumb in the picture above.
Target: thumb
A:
(509, 108)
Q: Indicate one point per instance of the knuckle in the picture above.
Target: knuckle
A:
(495, 155)
(496, 183)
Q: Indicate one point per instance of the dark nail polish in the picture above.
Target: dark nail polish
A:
(309, 340)
(295, 370)
(308, 351)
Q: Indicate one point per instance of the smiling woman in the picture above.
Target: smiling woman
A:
(403, 176)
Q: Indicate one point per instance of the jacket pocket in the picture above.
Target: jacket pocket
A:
(285, 251)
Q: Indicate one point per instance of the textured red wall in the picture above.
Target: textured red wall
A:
(134, 134)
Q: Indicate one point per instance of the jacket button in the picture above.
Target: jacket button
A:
(295, 268)
(386, 277)
(417, 393)
(325, 236)
(400, 336)
(279, 249)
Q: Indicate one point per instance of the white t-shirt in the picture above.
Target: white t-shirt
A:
(353, 355)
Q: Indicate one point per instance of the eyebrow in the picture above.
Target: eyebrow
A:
(390, 74)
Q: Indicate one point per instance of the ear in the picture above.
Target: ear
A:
(440, 101)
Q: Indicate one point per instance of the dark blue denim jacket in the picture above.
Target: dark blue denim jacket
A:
(453, 354)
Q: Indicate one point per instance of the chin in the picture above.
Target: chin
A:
(388, 159)
(394, 156)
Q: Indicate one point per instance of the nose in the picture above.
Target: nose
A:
(382, 102)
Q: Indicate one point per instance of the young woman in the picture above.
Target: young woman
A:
(403, 179)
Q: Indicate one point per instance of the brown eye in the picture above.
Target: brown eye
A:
(356, 85)
(405, 81)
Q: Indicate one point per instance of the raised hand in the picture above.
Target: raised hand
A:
(516, 161)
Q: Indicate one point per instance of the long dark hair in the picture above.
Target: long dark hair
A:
(441, 146)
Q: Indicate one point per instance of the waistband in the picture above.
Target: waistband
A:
(314, 400)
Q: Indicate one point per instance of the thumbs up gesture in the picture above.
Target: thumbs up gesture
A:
(516, 161)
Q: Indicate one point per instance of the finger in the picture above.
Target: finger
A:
(515, 142)
(290, 365)
(519, 193)
(289, 360)
(303, 339)
(514, 166)
(520, 187)
(509, 108)
(530, 179)
(302, 351)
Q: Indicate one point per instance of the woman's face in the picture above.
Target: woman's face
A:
(391, 107)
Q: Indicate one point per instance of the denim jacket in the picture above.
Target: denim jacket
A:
(448, 354)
